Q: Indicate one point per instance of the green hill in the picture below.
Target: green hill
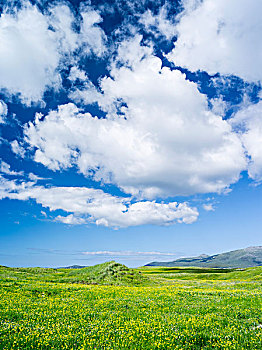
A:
(241, 258)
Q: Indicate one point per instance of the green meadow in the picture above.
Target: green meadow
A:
(110, 306)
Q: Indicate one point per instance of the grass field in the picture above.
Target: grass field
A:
(112, 307)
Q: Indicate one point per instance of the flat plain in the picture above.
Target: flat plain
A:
(109, 306)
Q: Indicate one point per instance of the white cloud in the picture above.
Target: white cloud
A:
(159, 24)
(17, 149)
(34, 46)
(61, 20)
(208, 207)
(77, 74)
(166, 142)
(70, 220)
(221, 36)
(88, 94)
(92, 37)
(86, 205)
(219, 106)
(28, 54)
(5, 168)
(130, 255)
(34, 177)
(3, 111)
(126, 253)
(130, 53)
(44, 213)
(248, 122)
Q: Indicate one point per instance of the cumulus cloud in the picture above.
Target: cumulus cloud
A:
(77, 74)
(17, 149)
(87, 205)
(159, 24)
(160, 136)
(92, 37)
(221, 36)
(70, 220)
(33, 177)
(248, 122)
(208, 207)
(35, 46)
(160, 140)
(3, 111)
(130, 53)
(5, 168)
(28, 54)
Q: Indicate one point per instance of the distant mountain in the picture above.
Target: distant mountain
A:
(72, 267)
(241, 258)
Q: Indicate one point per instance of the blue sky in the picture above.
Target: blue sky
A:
(129, 130)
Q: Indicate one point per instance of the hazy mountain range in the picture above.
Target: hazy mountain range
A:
(241, 258)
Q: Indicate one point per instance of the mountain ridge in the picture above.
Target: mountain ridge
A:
(240, 258)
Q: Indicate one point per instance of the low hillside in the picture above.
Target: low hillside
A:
(241, 258)
(110, 273)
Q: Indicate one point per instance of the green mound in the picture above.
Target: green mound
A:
(109, 273)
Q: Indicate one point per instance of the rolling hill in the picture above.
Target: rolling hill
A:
(241, 258)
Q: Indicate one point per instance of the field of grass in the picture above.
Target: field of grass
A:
(111, 307)
(202, 273)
